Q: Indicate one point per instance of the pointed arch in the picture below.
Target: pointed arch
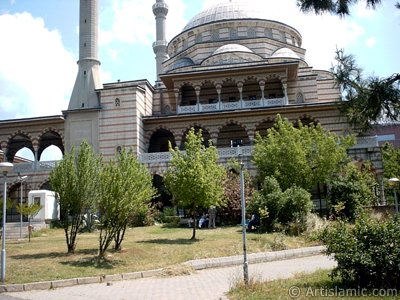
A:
(188, 95)
(233, 132)
(208, 92)
(50, 137)
(262, 127)
(204, 132)
(160, 139)
(17, 141)
(251, 89)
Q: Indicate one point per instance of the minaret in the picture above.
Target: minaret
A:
(88, 79)
(160, 10)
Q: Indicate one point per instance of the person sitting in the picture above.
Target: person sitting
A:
(203, 221)
(254, 223)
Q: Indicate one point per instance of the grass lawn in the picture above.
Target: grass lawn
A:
(144, 248)
(317, 285)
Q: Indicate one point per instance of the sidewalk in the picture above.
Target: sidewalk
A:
(211, 283)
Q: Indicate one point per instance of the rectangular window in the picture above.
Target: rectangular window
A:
(36, 200)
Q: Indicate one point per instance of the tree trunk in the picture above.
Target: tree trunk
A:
(194, 225)
(119, 236)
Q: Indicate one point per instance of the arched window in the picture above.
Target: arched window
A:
(299, 97)
(215, 35)
(117, 102)
(251, 32)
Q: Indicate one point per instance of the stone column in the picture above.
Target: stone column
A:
(240, 88)
(197, 91)
(284, 86)
(219, 88)
(262, 88)
(35, 144)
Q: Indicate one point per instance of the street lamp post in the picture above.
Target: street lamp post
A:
(21, 180)
(394, 182)
(5, 168)
(243, 202)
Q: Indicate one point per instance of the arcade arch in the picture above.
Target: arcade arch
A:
(159, 141)
(232, 135)
(204, 132)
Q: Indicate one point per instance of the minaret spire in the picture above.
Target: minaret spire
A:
(160, 10)
(84, 94)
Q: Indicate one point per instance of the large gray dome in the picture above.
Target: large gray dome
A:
(227, 10)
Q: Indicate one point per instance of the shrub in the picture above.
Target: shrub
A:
(350, 191)
(287, 210)
(168, 216)
(367, 254)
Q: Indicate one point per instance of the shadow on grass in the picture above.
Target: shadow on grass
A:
(55, 254)
(170, 242)
(93, 262)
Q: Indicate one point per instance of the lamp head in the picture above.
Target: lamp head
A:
(6, 167)
(22, 178)
(394, 181)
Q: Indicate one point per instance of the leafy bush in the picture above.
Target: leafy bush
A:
(287, 210)
(367, 254)
(168, 216)
(350, 191)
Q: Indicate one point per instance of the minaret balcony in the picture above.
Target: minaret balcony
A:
(160, 8)
(236, 105)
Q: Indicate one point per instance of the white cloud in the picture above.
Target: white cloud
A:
(36, 72)
(132, 21)
(370, 42)
(124, 23)
(360, 10)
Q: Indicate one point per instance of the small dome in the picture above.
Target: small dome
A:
(183, 62)
(284, 52)
(227, 10)
(232, 48)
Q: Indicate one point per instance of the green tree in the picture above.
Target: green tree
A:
(29, 210)
(391, 160)
(125, 190)
(301, 156)
(75, 181)
(350, 191)
(339, 7)
(231, 212)
(194, 178)
(391, 167)
(365, 101)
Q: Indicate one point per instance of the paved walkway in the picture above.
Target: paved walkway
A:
(203, 284)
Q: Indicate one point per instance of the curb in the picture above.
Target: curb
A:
(197, 264)
(253, 258)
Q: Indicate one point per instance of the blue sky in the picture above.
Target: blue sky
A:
(39, 44)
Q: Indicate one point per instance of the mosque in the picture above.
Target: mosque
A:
(229, 73)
